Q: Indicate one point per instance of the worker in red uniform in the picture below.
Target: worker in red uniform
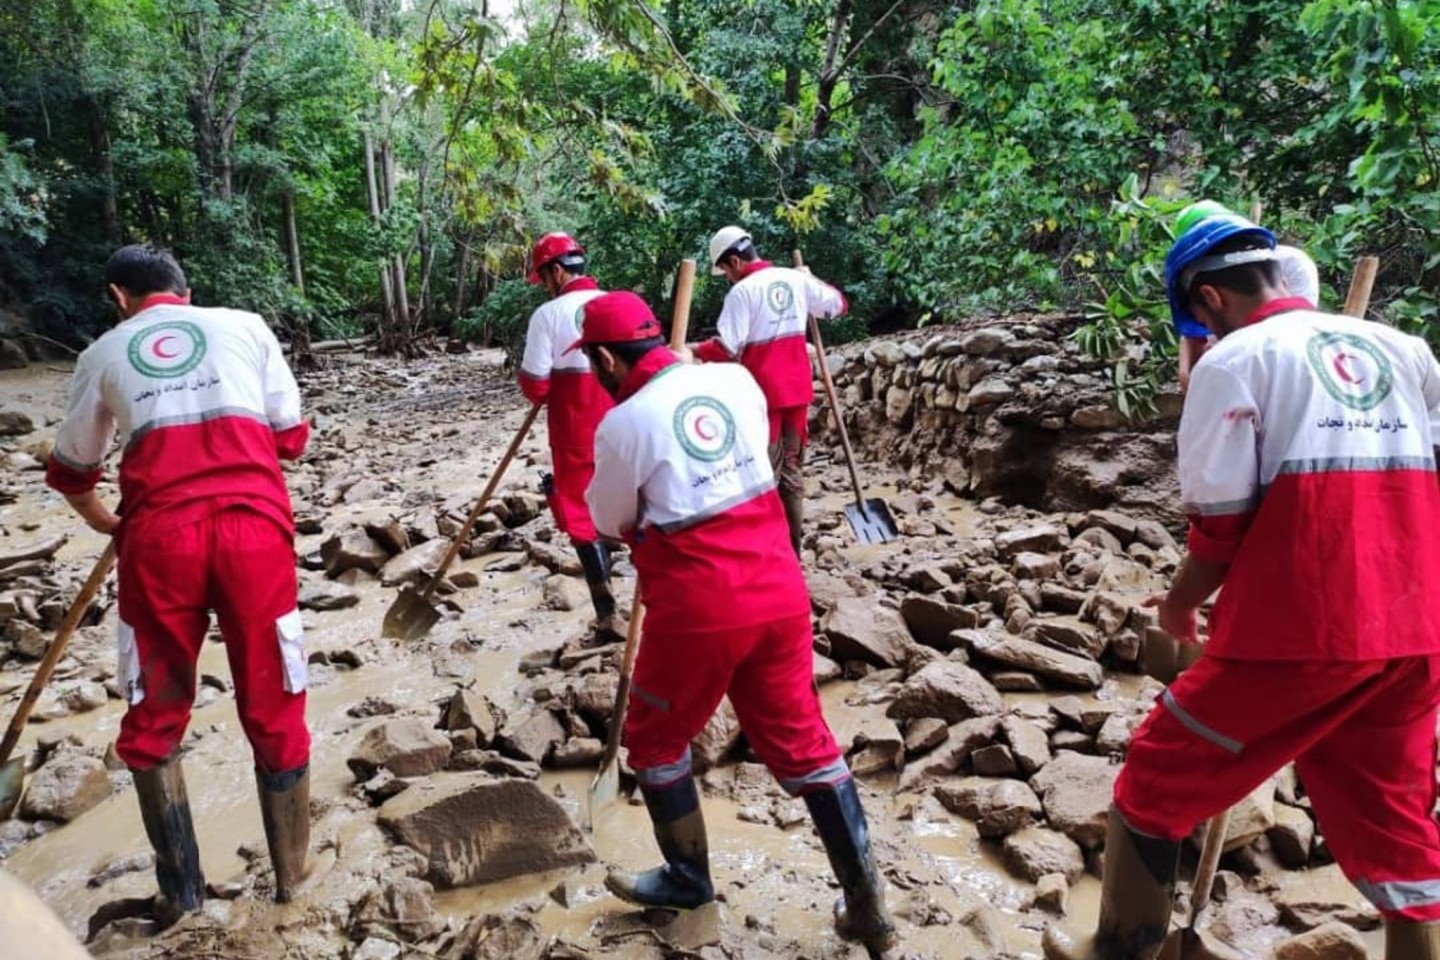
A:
(763, 325)
(681, 474)
(575, 404)
(1307, 465)
(206, 409)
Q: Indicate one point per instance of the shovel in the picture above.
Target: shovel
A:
(12, 772)
(870, 519)
(606, 785)
(412, 614)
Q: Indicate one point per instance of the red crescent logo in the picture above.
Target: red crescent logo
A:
(161, 353)
(703, 430)
(1342, 372)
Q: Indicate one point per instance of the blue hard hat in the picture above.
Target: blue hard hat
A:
(1192, 245)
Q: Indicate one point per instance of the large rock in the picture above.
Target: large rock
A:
(1043, 538)
(718, 739)
(64, 788)
(13, 423)
(324, 595)
(1035, 851)
(468, 710)
(531, 735)
(414, 563)
(948, 690)
(1251, 817)
(1292, 836)
(1028, 744)
(352, 549)
(962, 739)
(999, 806)
(407, 747)
(564, 593)
(1068, 634)
(931, 621)
(476, 830)
(859, 628)
(1057, 666)
(1331, 941)
(1312, 898)
(1076, 791)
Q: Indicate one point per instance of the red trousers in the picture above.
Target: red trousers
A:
(768, 671)
(1361, 733)
(788, 434)
(574, 467)
(241, 565)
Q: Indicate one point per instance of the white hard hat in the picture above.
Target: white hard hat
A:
(725, 240)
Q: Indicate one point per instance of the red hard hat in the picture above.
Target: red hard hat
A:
(550, 248)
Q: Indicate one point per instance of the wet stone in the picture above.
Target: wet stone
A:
(407, 747)
(1076, 791)
(999, 806)
(352, 548)
(993, 761)
(947, 690)
(1331, 941)
(65, 787)
(1037, 851)
(1028, 744)
(1052, 893)
(1016, 681)
(859, 628)
(324, 596)
(578, 752)
(1292, 836)
(932, 621)
(924, 735)
(415, 564)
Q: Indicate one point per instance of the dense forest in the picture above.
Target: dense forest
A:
(380, 166)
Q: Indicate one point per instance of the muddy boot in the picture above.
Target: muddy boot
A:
(1408, 940)
(1136, 899)
(793, 500)
(285, 810)
(165, 811)
(683, 881)
(860, 912)
(595, 561)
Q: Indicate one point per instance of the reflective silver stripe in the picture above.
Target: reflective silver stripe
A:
(1356, 464)
(784, 336)
(1198, 728)
(534, 376)
(1396, 895)
(665, 774)
(1225, 508)
(828, 775)
(1131, 827)
(659, 703)
(73, 465)
(292, 423)
(185, 419)
(715, 510)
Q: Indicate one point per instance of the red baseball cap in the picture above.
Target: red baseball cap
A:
(618, 317)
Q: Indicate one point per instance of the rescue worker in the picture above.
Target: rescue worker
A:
(1307, 463)
(206, 409)
(1297, 271)
(681, 473)
(764, 325)
(575, 403)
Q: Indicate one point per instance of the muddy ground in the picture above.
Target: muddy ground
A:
(403, 442)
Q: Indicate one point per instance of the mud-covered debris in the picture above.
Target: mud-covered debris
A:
(564, 593)
(553, 558)
(1057, 666)
(415, 564)
(1076, 791)
(995, 760)
(117, 866)
(949, 690)
(932, 621)
(1028, 743)
(1052, 893)
(407, 747)
(13, 423)
(403, 907)
(509, 936)
(531, 734)
(1330, 941)
(577, 752)
(468, 710)
(1068, 634)
(352, 549)
(1042, 538)
(999, 806)
(1036, 851)
(324, 595)
(858, 628)
(924, 735)
(69, 784)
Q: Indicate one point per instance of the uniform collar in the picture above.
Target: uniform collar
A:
(163, 300)
(577, 284)
(653, 364)
(1276, 306)
(754, 267)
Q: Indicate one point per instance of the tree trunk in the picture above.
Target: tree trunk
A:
(830, 72)
(462, 281)
(105, 165)
(402, 296)
(292, 241)
(372, 192)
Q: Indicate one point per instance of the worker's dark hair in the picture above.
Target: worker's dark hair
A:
(143, 268)
(630, 351)
(1247, 279)
(744, 251)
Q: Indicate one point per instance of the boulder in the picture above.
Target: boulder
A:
(473, 830)
(995, 760)
(999, 806)
(531, 735)
(554, 558)
(962, 739)
(1043, 538)
(718, 740)
(413, 564)
(924, 735)
(1251, 817)
(1058, 598)
(859, 628)
(65, 787)
(564, 593)
(824, 669)
(577, 752)
(13, 423)
(1036, 851)
(404, 908)
(1028, 744)
(1330, 941)
(948, 690)
(1034, 566)
(1113, 738)
(1057, 666)
(1154, 535)
(1067, 633)
(1052, 892)
(352, 549)
(322, 595)
(931, 621)
(1087, 717)
(1076, 791)
(26, 639)
(408, 747)
(468, 710)
(508, 936)
(1312, 898)
(1292, 836)
(876, 746)
(1121, 525)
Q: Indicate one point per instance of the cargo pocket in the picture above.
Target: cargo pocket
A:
(291, 634)
(127, 665)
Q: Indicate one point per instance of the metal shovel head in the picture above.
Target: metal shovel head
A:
(604, 789)
(12, 782)
(410, 617)
(871, 522)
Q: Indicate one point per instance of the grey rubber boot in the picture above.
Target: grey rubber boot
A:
(285, 810)
(682, 882)
(165, 811)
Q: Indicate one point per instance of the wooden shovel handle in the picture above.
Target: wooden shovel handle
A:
(680, 317)
(489, 491)
(798, 260)
(622, 692)
(1358, 299)
(57, 649)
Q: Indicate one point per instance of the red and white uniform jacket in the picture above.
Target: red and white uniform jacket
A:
(1307, 462)
(681, 472)
(548, 375)
(764, 325)
(206, 408)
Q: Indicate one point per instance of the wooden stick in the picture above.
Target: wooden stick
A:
(680, 317)
(1361, 285)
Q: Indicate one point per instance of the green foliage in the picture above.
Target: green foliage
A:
(501, 320)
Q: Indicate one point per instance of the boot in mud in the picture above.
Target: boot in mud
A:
(1136, 900)
(595, 561)
(683, 881)
(285, 810)
(793, 501)
(860, 913)
(1408, 940)
(165, 811)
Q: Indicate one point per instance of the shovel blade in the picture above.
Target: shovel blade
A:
(871, 521)
(604, 790)
(12, 783)
(410, 617)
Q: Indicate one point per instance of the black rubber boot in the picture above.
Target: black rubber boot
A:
(595, 561)
(793, 500)
(860, 913)
(683, 881)
(285, 810)
(1408, 940)
(165, 811)
(1137, 897)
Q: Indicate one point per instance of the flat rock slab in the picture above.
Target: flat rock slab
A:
(478, 830)
(1076, 791)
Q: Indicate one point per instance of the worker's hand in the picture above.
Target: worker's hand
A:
(1175, 620)
(106, 524)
